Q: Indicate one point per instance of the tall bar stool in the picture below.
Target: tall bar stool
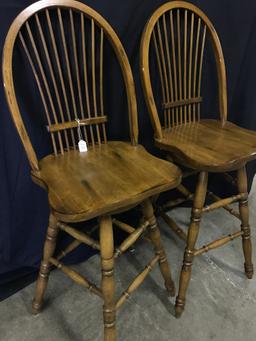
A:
(86, 176)
(174, 39)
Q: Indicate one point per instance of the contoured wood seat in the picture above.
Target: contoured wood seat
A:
(209, 146)
(173, 45)
(62, 44)
(130, 172)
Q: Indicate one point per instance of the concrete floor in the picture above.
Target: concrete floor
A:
(221, 302)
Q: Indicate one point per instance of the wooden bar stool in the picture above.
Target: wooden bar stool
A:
(86, 176)
(175, 35)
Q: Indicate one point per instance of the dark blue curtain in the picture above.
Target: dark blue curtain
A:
(24, 210)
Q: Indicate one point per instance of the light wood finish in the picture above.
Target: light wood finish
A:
(231, 210)
(182, 102)
(137, 282)
(198, 145)
(175, 228)
(192, 17)
(76, 277)
(203, 145)
(83, 122)
(217, 243)
(224, 202)
(245, 227)
(128, 228)
(46, 8)
(108, 282)
(49, 248)
(133, 237)
(117, 175)
(66, 58)
(80, 236)
(193, 231)
(154, 235)
(73, 245)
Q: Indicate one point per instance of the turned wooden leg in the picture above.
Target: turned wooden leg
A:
(49, 248)
(154, 235)
(245, 227)
(108, 281)
(193, 231)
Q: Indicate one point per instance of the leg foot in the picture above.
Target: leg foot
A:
(245, 227)
(193, 231)
(49, 248)
(108, 281)
(249, 270)
(179, 307)
(154, 235)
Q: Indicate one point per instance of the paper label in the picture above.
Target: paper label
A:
(82, 146)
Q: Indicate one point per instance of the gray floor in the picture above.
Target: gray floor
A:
(221, 302)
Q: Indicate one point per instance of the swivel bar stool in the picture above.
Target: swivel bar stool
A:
(174, 40)
(62, 44)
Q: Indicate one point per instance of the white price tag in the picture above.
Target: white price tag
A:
(82, 146)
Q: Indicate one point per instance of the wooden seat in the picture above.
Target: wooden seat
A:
(79, 184)
(62, 45)
(207, 146)
(174, 41)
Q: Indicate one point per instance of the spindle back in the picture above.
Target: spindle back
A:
(177, 32)
(63, 41)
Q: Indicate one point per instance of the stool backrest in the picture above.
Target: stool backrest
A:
(176, 34)
(63, 41)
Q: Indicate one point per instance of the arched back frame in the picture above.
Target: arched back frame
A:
(7, 67)
(177, 92)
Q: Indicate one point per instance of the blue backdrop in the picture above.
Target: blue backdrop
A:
(24, 211)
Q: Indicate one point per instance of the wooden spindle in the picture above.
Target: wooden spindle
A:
(217, 243)
(139, 279)
(163, 62)
(160, 71)
(71, 247)
(226, 207)
(127, 228)
(86, 87)
(223, 202)
(195, 65)
(39, 88)
(200, 68)
(57, 59)
(179, 64)
(74, 45)
(54, 82)
(174, 64)
(101, 82)
(79, 235)
(190, 64)
(185, 63)
(175, 228)
(76, 277)
(170, 121)
(70, 80)
(131, 239)
(94, 78)
(46, 85)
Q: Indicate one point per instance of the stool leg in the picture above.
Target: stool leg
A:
(154, 235)
(193, 231)
(108, 281)
(245, 227)
(49, 248)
